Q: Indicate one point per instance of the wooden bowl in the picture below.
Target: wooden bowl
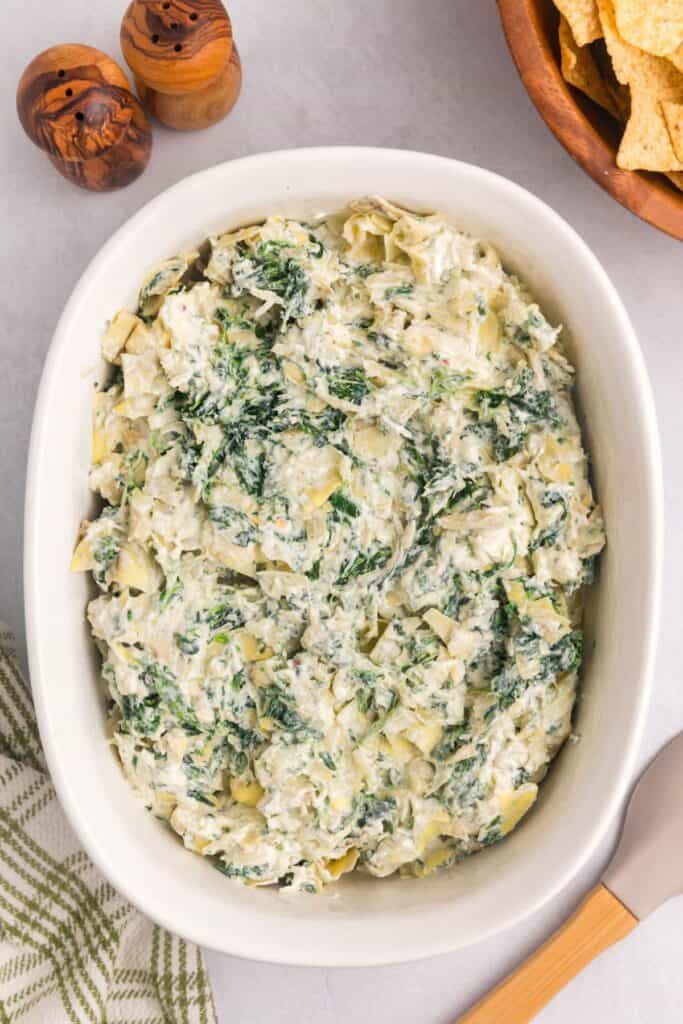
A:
(586, 131)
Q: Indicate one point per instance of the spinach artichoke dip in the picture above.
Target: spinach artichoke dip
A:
(346, 526)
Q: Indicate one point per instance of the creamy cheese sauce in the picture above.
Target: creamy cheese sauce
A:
(346, 526)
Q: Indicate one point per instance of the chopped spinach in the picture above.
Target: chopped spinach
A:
(453, 737)
(590, 568)
(202, 798)
(399, 289)
(268, 268)
(107, 550)
(161, 682)
(349, 383)
(280, 706)
(564, 656)
(229, 321)
(238, 871)
(364, 562)
(342, 504)
(493, 832)
(445, 382)
(224, 615)
(509, 415)
(188, 642)
(373, 808)
(169, 592)
(225, 516)
(140, 716)
(317, 248)
(549, 534)
(314, 572)
(105, 554)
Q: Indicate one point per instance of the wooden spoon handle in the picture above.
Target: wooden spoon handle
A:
(599, 922)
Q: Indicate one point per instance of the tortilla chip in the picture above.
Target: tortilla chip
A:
(646, 144)
(583, 19)
(676, 58)
(673, 116)
(652, 25)
(581, 71)
(621, 94)
(604, 63)
(676, 178)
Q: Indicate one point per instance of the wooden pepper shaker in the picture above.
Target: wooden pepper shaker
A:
(74, 102)
(182, 54)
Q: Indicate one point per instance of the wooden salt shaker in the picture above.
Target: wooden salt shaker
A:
(74, 102)
(182, 54)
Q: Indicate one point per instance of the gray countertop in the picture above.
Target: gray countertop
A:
(433, 75)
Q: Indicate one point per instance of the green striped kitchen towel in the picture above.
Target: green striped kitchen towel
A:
(71, 949)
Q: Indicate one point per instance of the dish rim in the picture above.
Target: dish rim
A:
(414, 948)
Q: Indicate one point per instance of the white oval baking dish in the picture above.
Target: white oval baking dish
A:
(363, 921)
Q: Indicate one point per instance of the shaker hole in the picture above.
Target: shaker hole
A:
(177, 47)
(69, 92)
(166, 6)
(194, 16)
(80, 116)
(174, 25)
(60, 74)
(155, 38)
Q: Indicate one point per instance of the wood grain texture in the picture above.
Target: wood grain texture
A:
(599, 922)
(198, 109)
(176, 46)
(74, 103)
(586, 132)
(51, 91)
(118, 166)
